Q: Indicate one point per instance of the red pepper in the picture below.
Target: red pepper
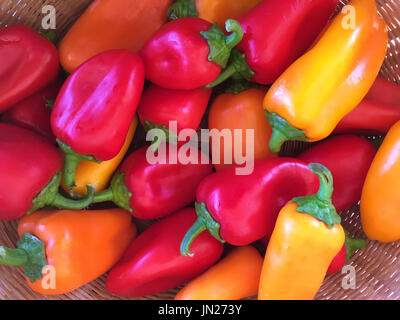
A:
(151, 191)
(153, 263)
(276, 33)
(30, 174)
(241, 209)
(95, 107)
(189, 53)
(33, 113)
(29, 62)
(377, 113)
(348, 158)
(159, 106)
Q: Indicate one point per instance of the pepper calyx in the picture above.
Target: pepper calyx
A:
(181, 9)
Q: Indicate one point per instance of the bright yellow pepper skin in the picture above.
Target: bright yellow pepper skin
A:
(302, 246)
(330, 80)
(99, 174)
(380, 206)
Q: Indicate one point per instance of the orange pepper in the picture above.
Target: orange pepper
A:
(217, 11)
(311, 97)
(306, 238)
(111, 24)
(380, 207)
(99, 174)
(79, 245)
(240, 111)
(235, 277)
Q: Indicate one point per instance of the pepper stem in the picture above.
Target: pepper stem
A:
(325, 181)
(65, 203)
(169, 136)
(13, 257)
(353, 244)
(203, 222)
(181, 9)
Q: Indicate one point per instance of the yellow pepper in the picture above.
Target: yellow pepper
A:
(310, 98)
(99, 174)
(306, 238)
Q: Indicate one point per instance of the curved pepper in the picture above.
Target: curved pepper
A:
(276, 33)
(108, 25)
(195, 57)
(217, 11)
(379, 207)
(377, 113)
(33, 112)
(306, 238)
(100, 174)
(152, 262)
(241, 209)
(310, 98)
(235, 277)
(23, 74)
(240, 111)
(79, 245)
(159, 106)
(151, 190)
(31, 174)
(95, 107)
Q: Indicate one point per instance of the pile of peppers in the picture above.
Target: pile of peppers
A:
(82, 110)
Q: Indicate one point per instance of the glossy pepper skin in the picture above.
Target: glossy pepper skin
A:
(153, 264)
(377, 113)
(217, 11)
(379, 209)
(80, 246)
(188, 53)
(158, 106)
(243, 111)
(95, 107)
(23, 74)
(33, 112)
(31, 174)
(300, 105)
(240, 209)
(348, 158)
(100, 174)
(154, 189)
(235, 277)
(306, 238)
(91, 34)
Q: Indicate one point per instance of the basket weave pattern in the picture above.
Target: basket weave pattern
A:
(377, 266)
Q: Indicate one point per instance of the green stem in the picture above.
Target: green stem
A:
(65, 203)
(168, 135)
(236, 33)
(353, 244)
(13, 257)
(181, 9)
(325, 181)
(103, 196)
(198, 227)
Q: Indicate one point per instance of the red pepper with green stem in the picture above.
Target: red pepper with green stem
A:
(153, 263)
(29, 62)
(189, 53)
(95, 107)
(151, 190)
(158, 106)
(276, 33)
(240, 209)
(31, 174)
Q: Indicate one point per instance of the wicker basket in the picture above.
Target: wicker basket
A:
(377, 266)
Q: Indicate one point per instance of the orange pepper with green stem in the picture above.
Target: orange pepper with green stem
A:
(235, 277)
(311, 97)
(80, 246)
(306, 238)
(100, 174)
(111, 24)
(217, 11)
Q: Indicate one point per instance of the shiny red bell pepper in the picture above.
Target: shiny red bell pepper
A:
(28, 63)
(153, 263)
(30, 174)
(276, 33)
(189, 53)
(241, 209)
(33, 113)
(377, 113)
(348, 158)
(95, 107)
(154, 190)
(159, 106)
